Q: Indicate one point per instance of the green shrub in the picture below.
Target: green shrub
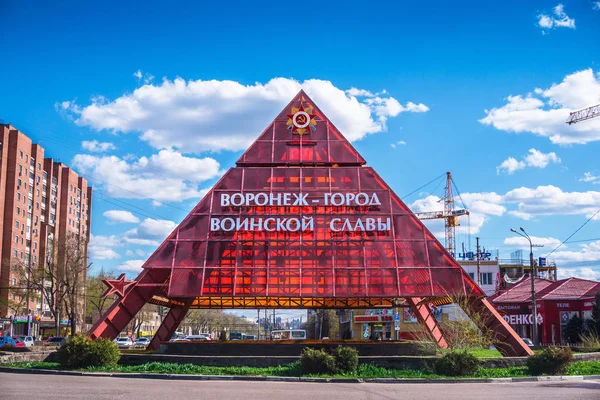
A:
(456, 363)
(317, 362)
(590, 342)
(346, 358)
(81, 352)
(551, 361)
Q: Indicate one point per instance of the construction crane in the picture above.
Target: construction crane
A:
(582, 115)
(450, 214)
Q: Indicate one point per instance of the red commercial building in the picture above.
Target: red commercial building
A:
(41, 201)
(556, 303)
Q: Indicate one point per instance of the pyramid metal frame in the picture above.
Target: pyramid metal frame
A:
(301, 222)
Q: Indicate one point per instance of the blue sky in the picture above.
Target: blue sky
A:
(420, 89)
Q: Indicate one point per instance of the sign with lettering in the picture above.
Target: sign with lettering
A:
(296, 224)
(372, 318)
(523, 319)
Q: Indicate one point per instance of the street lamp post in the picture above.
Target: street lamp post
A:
(532, 278)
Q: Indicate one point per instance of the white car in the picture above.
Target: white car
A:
(123, 342)
(28, 340)
(142, 342)
(197, 337)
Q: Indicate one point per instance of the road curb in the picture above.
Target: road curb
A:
(258, 378)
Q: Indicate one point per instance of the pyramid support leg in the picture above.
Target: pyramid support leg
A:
(427, 319)
(122, 311)
(168, 326)
(489, 320)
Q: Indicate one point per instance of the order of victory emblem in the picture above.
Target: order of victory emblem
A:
(302, 120)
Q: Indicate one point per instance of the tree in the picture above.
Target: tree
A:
(323, 323)
(96, 304)
(73, 260)
(60, 280)
(573, 330)
(143, 316)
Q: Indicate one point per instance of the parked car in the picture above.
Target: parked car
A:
(123, 342)
(197, 337)
(142, 342)
(56, 341)
(28, 340)
(527, 341)
(7, 341)
(19, 342)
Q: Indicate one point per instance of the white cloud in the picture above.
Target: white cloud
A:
(518, 241)
(545, 111)
(551, 200)
(121, 216)
(560, 19)
(97, 147)
(100, 247)
(133, 266)
(583, 273)
(100, 253)
(166, 176)
(589, 252)
(596, 5)
(589, 177)
(525, 203)
(480, 206)
(151, 232)
(197, 116)
(510, 165)
(522, 215)
(398, 143)
(535, 159)
(143, 77)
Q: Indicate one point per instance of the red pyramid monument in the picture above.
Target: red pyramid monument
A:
(301, 222)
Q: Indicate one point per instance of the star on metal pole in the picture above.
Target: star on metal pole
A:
(117, 286)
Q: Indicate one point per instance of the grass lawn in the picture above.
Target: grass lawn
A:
(364, 371)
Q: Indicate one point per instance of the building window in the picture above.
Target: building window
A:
(18, 183)
(37, 205)
(17, 239)
(39, 166)
(15, 254)
(17, 224)
(486, 278)
(472, 275)
(14, 281)
(26, 158)
(18, 196)
(21, 154)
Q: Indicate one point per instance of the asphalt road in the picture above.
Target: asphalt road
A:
(48, 387)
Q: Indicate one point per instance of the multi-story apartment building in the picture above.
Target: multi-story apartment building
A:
(41, 202)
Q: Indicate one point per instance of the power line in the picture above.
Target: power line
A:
(573, 234)
(428, 183)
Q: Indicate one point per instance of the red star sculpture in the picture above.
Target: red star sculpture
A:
(117, 286)
(300, 120)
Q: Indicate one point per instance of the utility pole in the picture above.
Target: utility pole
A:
(258, 325)
(532, 276)
(478, 263)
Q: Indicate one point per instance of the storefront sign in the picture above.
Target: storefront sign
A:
(359, 319)
(523, 319)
